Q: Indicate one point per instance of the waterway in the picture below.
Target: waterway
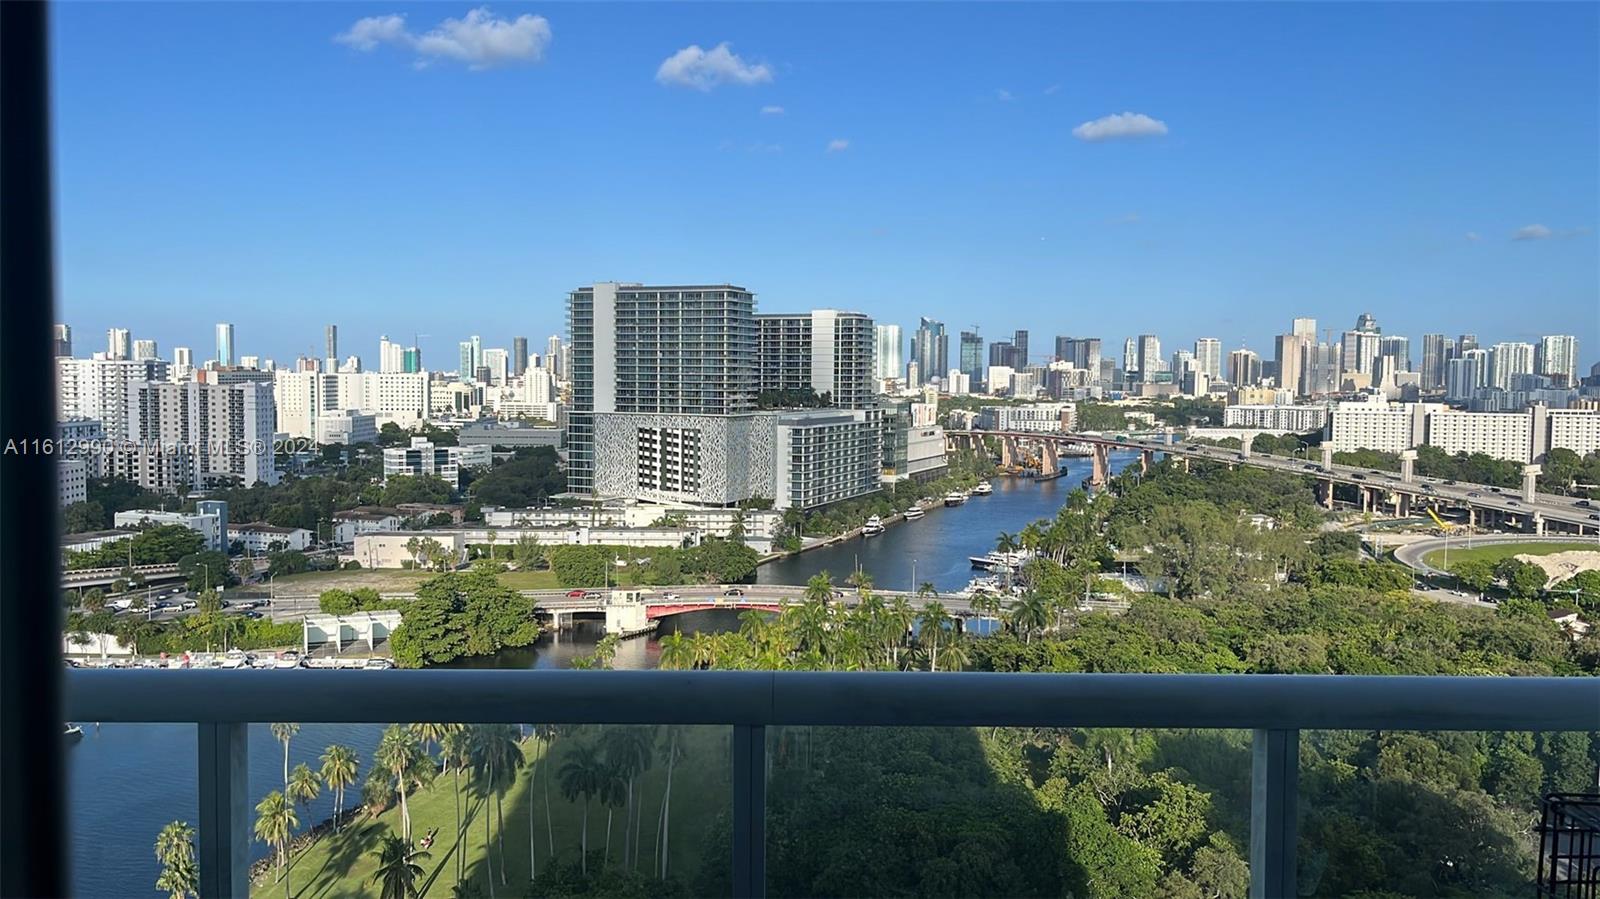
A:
(128, 780)
(936, 548)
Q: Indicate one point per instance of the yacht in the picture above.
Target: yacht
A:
(954, 498)
(913, 513)
(72, 734)
(984, 488)
(873, 527)
(288, 659)
(1000, 562)
(235, 658)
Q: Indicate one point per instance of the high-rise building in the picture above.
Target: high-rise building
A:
(471, 353)
(519, 355)
(183, 357)
(331, 349)
(1466, 342)
(1506, 361)
(1003, 352)
(1397, 350)
(1081, 352)
(103, 389)
(556, 357)
(1149, 356)
(391, 355)
(224, 344)
(930, 348)
(497, 364)
(826, 351)
(1558, 359)
(1365, 322)
(63, 340)
(889, 348)
(1305, 329)
(1130, 359)
(1208, 356)
(1183, 362)
(664, 383)
(1289, 351)
(144, 350)
(972, 358)
(1466, 374)
(1019, 342)
(411, 360)
(1244, 368)
(119, 344)
(229, 427)
(1360, 347)
(1437, 350)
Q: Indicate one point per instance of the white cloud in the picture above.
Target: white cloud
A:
(1003, 95)
(1051, 89)
(838, 145)
(1533, 232)
(366, 34)
(705, 69)
(1474, 236)
(1120, 125)
(772, 110)
(480, 39)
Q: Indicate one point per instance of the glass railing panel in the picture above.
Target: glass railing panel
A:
(1431, 813)
(1007, 812)
(505, 810)
(126, 784)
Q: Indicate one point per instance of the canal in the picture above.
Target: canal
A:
(936, 547)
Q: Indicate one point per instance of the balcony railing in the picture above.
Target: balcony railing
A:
(1276, 708)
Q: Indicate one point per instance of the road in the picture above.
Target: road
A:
(1412, 555)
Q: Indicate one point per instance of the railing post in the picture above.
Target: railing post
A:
(223, 853)
(749, 811)
(1274, 788)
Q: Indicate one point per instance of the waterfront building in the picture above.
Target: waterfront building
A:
(827, 351)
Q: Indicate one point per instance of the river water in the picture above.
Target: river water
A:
(128, 780)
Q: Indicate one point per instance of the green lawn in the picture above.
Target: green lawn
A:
(398, 580)
(343, 865)
(1494, 552)
(530, 580)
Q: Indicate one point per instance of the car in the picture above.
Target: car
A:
(1583, 504)
(1428, 488)
(1512, 502)
(733, 591)
(575, 594)
(1474, 494)
(591, 594)
(1494, 489)
(1595, 516)
(253, 615)
(1312, 467)
(188, 604)
(1449, 483)
(1373, 471)
(670, 597)
(1359, 477)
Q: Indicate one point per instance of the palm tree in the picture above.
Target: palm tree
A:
(430, 734)
(930, 628)
(926, 588)
(819, 588)
(1030, 613)
(900, 617)
(612, 793)
(498, 756)
(397, 753)
(665, 819)
(175, 850)
(628, 750)
(581, 777)
(376, 790)
(283, 732)
(1006, 543)
(339, 766)
(275, 824)
(455, 750)
(304, 785)
(675, 652)
(953, 655)
(397, 871)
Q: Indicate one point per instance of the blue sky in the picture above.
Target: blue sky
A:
(456, 172)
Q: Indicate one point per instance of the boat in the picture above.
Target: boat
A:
(235, 658)
(1000, 562)
(984, 488)
(873, 527)
(288, 659)
(954, 498)
(72, 734)
(913, 513)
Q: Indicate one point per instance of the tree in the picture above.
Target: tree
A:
(930, 630)
(283, 732)
(304, 785)
(206, 570)
(1523, 580)
(339, 767)
(581, 777)
(175, 850)
(1475, 574)
(397, 872)
(455, 751)
(403, 488)
(397, 754)
(275, 824)
(496, 759)
(84, 516)
(628, 751)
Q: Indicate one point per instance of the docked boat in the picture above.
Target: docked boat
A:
(72, 734)
(913, 513)
(954, 498)
(289, 659)
(873, 527)
(234, 658)
(378, 664)
(1000, 562)
(984, 488)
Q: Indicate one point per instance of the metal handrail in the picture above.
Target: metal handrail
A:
(1275, 707)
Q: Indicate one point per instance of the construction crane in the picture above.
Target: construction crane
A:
(1444, 526)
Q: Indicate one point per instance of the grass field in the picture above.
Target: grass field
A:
(397, 580)
(342, 865)
(1494, 552)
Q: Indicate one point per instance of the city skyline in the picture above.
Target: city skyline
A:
(1115, 184)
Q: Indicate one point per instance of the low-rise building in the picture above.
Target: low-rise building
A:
(760, 526)
(351, 523)
(89, 540)
(259, 537)
(347, 427)
(511, 435)
(423, 458)
(213, 525)
(72, 481)
(1038, 418)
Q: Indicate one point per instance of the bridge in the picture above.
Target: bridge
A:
(1401, 494)
(98, 577)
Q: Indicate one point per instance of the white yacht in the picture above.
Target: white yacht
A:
(954, 498)
(913, 513)
(873, 527)
(984, 488)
